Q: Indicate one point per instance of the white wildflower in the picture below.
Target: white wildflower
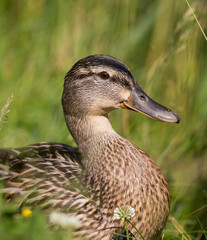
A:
(64, 220)
(124, 212)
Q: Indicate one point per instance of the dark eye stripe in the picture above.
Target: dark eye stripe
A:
(104, 75)
(81, 76)
(122, 81)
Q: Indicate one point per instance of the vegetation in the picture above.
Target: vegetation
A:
(166, 51)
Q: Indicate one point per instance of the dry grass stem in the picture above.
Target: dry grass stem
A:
(196, 20)
(180, 228)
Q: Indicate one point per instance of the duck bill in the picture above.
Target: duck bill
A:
(139, 101)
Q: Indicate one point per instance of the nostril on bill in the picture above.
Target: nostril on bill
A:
(142, 97)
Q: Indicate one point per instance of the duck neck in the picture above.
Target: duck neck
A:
(90, 132)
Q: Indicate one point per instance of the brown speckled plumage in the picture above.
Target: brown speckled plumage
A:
(105, 171)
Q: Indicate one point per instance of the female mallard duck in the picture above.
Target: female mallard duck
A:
(106, 171)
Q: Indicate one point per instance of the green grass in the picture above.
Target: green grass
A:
(166, 51)
(14, 226)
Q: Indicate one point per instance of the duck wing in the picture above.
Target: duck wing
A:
(46, 174)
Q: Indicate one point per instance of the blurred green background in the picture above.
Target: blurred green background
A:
(165, 50)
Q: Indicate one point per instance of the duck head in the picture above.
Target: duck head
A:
(98, 84)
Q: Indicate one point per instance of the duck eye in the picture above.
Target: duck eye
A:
(104, 75)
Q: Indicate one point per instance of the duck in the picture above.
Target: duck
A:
(105, 171)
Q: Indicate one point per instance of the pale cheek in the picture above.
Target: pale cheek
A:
(125, 94)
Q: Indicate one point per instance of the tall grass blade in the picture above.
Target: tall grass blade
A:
(180, 228)
(196, 20)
